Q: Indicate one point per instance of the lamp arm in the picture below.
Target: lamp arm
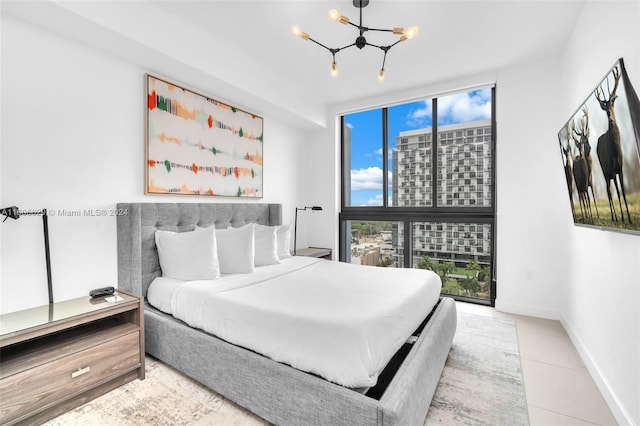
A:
(383, 48)
(359, 27)
(345, 47)
(379, 29)
(319, 44)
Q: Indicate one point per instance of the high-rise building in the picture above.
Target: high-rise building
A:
(463, 179)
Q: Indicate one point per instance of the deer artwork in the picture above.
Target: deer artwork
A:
(609, 148)
(568, 167)
(580, 177)
(582, 132)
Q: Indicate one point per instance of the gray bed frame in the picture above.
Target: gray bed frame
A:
(276, 392)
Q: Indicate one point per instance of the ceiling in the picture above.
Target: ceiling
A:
(249, 47)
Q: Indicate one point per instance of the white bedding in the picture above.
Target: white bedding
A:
(340, 321)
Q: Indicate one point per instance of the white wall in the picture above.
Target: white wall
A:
(533, 211)
(73, 139)
(601, 304)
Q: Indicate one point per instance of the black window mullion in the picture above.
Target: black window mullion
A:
(345, 166)
(385, 159)
(434, 153)
(408, 243)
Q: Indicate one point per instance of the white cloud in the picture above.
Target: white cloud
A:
(369, 178)
(349, 125)
(375, 201)
(463, 107)
(419, 117)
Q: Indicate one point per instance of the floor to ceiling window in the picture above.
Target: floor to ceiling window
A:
(418, 190)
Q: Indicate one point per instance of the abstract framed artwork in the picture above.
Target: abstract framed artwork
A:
(600, 149)
(196, 145)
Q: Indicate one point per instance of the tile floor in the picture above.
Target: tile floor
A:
(560, 390)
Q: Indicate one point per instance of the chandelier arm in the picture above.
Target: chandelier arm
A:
(379, 29)
(345, 47)
(319, 44)
(384, 58)
(385, 48)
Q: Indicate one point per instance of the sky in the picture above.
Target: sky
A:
(366, 136)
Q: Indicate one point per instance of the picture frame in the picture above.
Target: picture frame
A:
(196, 145)
(600, 151)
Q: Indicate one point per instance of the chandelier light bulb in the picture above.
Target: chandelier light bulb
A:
(410, 32)
(296, 31)
(381, 75)
(334, 69)
(335, 16)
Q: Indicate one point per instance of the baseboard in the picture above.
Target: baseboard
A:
(622, 416)
(528, 310)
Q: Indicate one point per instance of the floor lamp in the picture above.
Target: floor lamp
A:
(295, 228)
(14, 213)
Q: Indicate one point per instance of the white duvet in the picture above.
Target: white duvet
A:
(340, 321)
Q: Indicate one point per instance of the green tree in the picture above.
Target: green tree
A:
(444, 269)
(485, 274)
(471, 286)
(452, 287)
(427, 263)
(473, 265)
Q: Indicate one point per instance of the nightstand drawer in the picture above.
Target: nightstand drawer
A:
(37, 388)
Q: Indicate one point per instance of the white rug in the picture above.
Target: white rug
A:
(482, 381)
(481, 385)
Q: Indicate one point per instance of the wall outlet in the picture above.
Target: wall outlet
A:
(528, 275)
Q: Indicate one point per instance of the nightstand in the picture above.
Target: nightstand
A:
(56, 357)
(323, 253)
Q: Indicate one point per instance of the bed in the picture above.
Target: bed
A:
(273, 390)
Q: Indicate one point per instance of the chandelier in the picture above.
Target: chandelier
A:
(361, 41)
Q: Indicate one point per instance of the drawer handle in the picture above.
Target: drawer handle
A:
(80, 372)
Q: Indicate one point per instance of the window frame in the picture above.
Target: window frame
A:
(409, 215)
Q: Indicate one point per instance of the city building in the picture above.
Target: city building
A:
(463, 179)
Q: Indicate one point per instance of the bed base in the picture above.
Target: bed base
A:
(285, 396)
(274, 391)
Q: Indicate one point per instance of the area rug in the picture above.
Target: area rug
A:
(481, 385)
(482, 381)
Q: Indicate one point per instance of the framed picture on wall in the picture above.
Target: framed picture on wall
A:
(196, 145)
(600, 150)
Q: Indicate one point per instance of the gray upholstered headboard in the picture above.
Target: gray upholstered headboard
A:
(138, 261)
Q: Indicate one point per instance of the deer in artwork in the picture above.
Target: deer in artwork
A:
(581, 130)
(581, 179)
(609, 149)
(568, 168)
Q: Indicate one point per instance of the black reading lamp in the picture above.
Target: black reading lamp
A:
(295, 228)
(14, 213)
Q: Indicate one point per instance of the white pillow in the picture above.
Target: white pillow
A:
(188, 255)
(283, 235)
(266, 245)
(236, 249)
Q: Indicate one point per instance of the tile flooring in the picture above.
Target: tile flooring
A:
(560, 390)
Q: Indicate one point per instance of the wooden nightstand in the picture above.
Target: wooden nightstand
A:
(324, 253)
(56, 357)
